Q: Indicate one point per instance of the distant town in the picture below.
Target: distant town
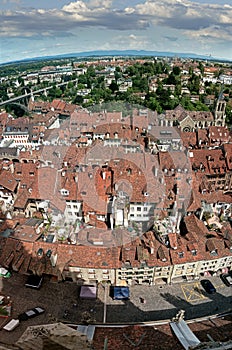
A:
(116, 170)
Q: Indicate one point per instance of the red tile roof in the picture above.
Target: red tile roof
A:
(7, 180)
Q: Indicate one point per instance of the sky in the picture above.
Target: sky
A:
(34, 28)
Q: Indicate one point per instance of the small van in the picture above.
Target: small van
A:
(227, 279)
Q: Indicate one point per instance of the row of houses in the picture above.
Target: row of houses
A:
(44, 125)
(128, 211)
(145, 260)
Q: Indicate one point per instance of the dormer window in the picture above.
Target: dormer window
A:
(194, 252)
(181, 254)
(127, 263)
(210, 245)
(214, 252)
(40, 252)
(64, 192)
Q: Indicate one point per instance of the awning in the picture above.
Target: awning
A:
(120, 293)
(88, 292)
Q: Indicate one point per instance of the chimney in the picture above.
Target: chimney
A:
(11, 168)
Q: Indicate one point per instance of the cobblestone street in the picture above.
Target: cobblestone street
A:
(62, 303)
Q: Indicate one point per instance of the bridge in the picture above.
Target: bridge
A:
(34, 92)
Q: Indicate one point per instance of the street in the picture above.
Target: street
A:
(62, 303)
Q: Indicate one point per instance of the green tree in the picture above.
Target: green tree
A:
(229, 114)
(21, 81)
(91, 72)
(82, 79)
(201, 67)
(78, 99)
(177, 92)
(113, 86)
(199, 106)
(176, 70)
(3, 92)
(139, 84)
(55, 92)
(154, 105)
(172, 79)
(186, 103)
(194, 84)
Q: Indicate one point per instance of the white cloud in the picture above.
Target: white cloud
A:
(152, 21)
(129, 10)
(11, 1)
(100, 4)
(179, 14)
(210, 34)
(133, 37)
(74, 7)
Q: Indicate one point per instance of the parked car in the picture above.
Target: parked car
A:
(227, 279)
(34, 281)
(10, 326)
(208, 286)
(31, 313)
(4, 273)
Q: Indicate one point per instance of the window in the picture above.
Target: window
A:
(64, 192)
(145, 209)
(214, 252)
(40, 252)
(139, 209)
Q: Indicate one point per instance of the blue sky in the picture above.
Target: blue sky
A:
(31, 28)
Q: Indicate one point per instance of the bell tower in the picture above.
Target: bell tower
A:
(220, 111)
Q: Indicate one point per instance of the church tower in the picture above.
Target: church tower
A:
(220, 111)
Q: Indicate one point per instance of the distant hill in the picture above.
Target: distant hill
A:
(100, 53)
(118, 53)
